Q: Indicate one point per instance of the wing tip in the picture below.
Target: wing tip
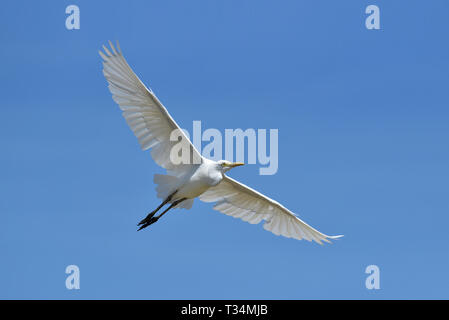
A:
(335, 237)
(330, 237)
(116, 50)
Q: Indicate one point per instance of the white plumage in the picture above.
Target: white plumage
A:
(199, 177)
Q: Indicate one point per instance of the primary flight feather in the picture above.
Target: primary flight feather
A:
(198, 177)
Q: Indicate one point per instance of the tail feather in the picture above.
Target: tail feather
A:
(187, 204)
(166, 185)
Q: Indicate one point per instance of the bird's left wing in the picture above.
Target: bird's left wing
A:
(144, 113)
(240, 201)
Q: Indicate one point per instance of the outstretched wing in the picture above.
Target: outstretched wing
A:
(240, 201)
(144, 113)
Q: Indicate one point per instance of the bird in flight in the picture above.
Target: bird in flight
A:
(198, 177)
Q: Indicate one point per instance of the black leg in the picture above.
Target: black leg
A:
(155, 219)
(152, 213)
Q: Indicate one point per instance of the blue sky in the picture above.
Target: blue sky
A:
(363, 119)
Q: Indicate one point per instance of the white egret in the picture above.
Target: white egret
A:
(206, 179)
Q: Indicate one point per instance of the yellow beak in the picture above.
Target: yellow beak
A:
(236, 164)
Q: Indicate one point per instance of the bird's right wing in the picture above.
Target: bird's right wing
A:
(240, 201)
(144, 113)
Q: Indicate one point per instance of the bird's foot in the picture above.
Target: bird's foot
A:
(147, 218)
(146, 222)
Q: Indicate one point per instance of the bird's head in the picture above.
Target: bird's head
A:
(225, 165)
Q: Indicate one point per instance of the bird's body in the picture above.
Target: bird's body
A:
(198, 180)
(198, 177)
(204, 176)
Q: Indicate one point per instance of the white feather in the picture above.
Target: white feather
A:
(235, 199)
